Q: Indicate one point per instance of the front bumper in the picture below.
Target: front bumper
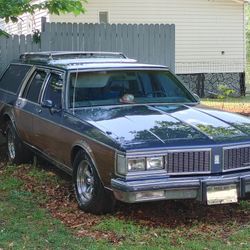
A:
(179, 188)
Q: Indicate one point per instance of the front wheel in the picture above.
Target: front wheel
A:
(16, 150)
(90, 193)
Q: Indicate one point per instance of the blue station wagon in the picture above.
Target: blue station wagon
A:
(124, 130)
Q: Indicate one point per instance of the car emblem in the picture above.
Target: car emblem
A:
(217, 159)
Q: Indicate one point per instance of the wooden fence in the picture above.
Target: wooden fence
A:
(147, 43)
(12, 47)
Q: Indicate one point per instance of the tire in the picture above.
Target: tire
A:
(90, 193)
(17, 152)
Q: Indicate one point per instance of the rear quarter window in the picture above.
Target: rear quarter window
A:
(13, 77)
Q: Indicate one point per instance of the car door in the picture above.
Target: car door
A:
(27, 105)
(47, 123)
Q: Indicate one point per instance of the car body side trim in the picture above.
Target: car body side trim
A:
(60, 165)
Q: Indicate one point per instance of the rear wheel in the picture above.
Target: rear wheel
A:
(17, 152)
(90, 193)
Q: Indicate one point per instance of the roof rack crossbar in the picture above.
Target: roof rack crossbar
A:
(58, 55)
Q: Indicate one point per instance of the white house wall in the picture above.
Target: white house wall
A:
(27, 23)
(209, 33)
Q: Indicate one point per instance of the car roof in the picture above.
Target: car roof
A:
(71, 60)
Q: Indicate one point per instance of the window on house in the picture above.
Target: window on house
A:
(103, 17)
(29, 25)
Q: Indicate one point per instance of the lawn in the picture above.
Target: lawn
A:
(38, 211)
(240, 105)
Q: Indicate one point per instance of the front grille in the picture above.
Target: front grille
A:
(235, 158)
(188, 162)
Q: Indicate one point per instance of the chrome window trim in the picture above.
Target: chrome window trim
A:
(26, 81)
(153, 68)
(43, 90)
(28, 84)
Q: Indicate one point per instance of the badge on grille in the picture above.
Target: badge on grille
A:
(216, 159)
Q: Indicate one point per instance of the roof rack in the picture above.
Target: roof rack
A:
(59, 55)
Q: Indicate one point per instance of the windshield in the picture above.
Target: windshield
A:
(121, 87)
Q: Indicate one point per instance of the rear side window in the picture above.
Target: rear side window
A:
(53, 91)
(13, 77)
(33, 89)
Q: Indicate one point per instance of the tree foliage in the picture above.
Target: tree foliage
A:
(11, 9)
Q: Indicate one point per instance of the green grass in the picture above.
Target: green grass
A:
(232, 104)
(243, 99)
(24, 224)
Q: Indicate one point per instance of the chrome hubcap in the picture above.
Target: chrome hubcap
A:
(85, 181)
(11, 145)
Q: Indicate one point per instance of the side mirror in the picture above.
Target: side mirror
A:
(47, 104)
(197, 98)
(50, 105)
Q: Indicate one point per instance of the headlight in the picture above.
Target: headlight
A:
(155, 163)
(136, 164)
(125, 165)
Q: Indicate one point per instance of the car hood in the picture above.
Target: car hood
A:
(147, 126)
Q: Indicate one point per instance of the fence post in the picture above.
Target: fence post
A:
(46, 37)
(172, 47)
(43, 21)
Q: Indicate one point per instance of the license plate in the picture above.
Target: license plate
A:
(222, 194)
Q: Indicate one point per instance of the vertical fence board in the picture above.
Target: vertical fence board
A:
(140, 43)
(46, 37)
(59, 36)
(112, 37)
(97, 41)
(125, 39)
(102, 37)
(28, 46)
(81, 37)
(75, 37)
(162, 42)
(119, 44)
(22, 48)
(15, 47)
(172, 47)
(168, 48)
(4, 53)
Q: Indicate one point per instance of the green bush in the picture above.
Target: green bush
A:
(225, 91)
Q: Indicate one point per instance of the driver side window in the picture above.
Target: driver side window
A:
(53, 91)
